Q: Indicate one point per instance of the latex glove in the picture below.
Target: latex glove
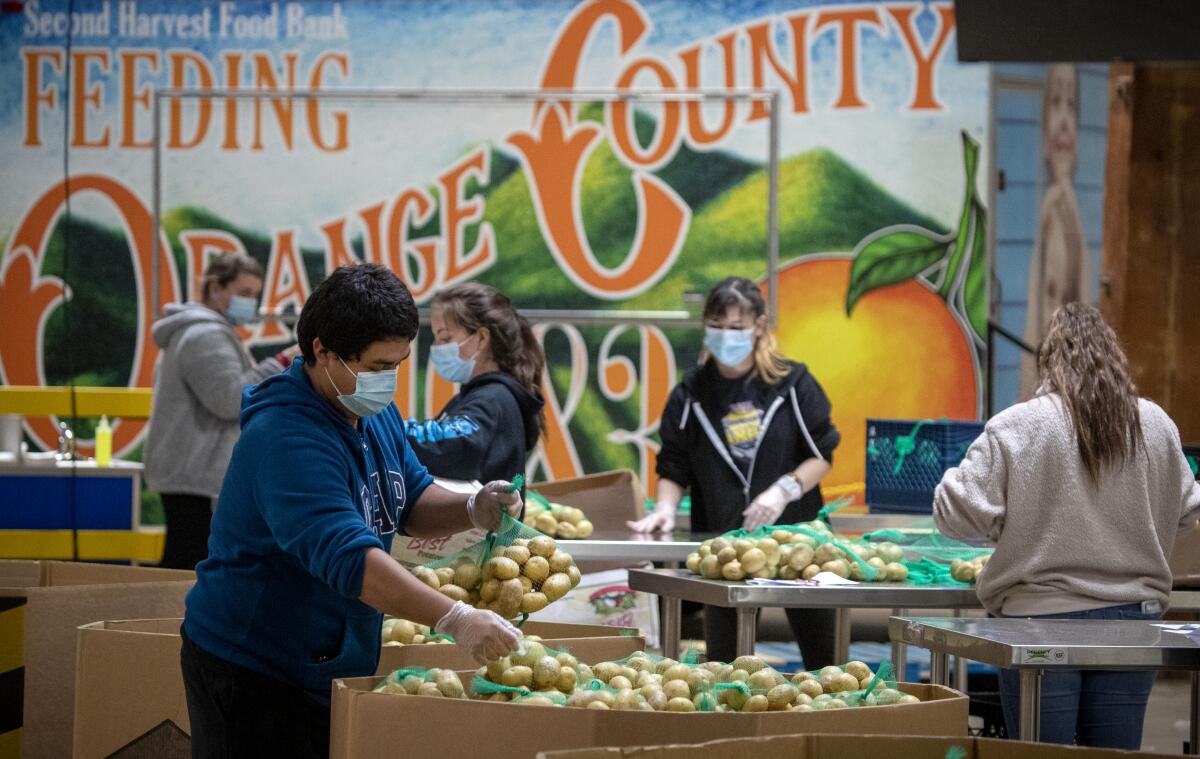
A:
(662, 519)
(765, 509)
(484, 634)
(486, 507)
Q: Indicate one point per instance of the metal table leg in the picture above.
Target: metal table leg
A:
(841, 633)
(747, 630)
(960, 666)
(672, 616)
(1031, 704)
(900, 652)
(939, 668)
(1194, 728)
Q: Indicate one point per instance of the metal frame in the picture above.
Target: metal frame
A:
(582, 317)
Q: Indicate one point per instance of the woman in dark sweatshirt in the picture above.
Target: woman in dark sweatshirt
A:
(487, 430)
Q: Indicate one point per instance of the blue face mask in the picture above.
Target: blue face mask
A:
(242, 310)
(729, 346)
(373, 391)
(449, 364)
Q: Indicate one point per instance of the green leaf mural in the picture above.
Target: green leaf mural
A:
(891, 258)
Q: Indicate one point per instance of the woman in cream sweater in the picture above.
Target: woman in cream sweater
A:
(1083, 490)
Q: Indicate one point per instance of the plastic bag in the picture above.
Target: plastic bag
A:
(513, 572)
(419, 681)
(562, 522)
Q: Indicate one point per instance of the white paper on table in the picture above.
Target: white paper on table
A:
(829, 578)
(821, 578)
(1185, 628)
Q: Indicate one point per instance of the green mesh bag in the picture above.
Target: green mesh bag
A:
(927, 544)
(786, 552)
(536, 668)
(556, 520)
(419, 681)
(514, 572)
(484, 689)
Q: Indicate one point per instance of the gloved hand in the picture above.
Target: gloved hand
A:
(484, 634)
(765, 509)
(662, 519)
(486, 507)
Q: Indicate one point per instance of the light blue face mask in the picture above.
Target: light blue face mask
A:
(449, 364)
(373, 391)
(729, 346)
(242, 309)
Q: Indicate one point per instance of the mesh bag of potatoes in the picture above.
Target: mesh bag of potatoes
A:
(514, 572)
(534, 670)
(790, 552)
(401, 632)
(419, 681)
(965, 561)
(562, 522)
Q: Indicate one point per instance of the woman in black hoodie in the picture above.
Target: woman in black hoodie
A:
(749, 434)
(486, 431)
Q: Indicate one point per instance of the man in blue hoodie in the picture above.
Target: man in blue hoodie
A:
(298, 568)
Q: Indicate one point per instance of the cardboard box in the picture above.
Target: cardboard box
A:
(609, 499)
(363, 723)
(825, 746)
(589, 644)
(1185, 558)
(129, 697)
(42, 603)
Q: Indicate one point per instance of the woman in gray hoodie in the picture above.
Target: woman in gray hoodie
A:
(198, 381)
(1082, 489)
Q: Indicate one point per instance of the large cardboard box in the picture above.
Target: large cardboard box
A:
(129, 695)
(43, 603)
(1185, 558)
(608, 498)
(589, 643)
(825, 746)
(363, 723)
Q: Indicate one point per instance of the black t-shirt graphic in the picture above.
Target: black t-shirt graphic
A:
(741, 413)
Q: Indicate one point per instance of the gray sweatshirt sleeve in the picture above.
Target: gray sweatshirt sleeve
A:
(971, 500)
(211, 365)
(1191, 506)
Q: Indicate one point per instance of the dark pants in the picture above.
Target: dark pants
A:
(1099, 708)
(188, 518)
(236, 712)
(814, 630)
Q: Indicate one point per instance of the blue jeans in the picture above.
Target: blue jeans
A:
(1100, 708)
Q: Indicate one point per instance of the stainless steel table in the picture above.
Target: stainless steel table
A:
(1036, 645)
(634, 547)
(678, 585)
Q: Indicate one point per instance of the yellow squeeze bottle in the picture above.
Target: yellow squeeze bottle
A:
(103, 442)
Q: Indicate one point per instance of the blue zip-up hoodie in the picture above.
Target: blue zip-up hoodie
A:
(305, 496)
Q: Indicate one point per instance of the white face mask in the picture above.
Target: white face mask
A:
(373, 391)
(448, 362)
(729, 346)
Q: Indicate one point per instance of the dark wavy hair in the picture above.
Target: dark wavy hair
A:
(515, 349)
(1081, 360)
(354, 307)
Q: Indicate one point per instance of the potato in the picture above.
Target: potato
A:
(574, 574)
(734, 697)
(843, 682)
(560, 562)
(876, 563)
(536, 569)
(800, 557)
(781, 697)
(598, 704)
(908, 698)
(705, 701)
(429, 689)
(710, 568)
(826, 675)
(838, 567)
(750, 664)
(449, 684)
(519, 554)
(517, 676)
(727, 555)
(676, 689)
(739, 676)
(705, 549)
(811, 571)
(533, 602)
(693, 563)
(619, 682)
(857, 668)
(526, 584)
(680, 704)
(533, 651)
(403, 631)
(756, 703)
(545, 522)
(701, 679)
(826, 552)
(741, 545)
(754, 560)
(733, 571)
(585, 673)
(545, 672)
(556, 586)
(509, 600)
(656, 698)
(453, 591)
(567, 531)
(503, 568)
(445, 575)
(584, 529)
(768, 546)
(566, 680)
(787, 573)
(543, 545)
(496, 667)
(427, 576)
(677, 672)
(489, 590)
(832, 703)
(565, 659)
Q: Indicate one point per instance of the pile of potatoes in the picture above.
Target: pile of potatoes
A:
(517, 579)
(788, 555)
(401, 632)
(968, 571)
(542, 671)
(440, 683)
(562, 522)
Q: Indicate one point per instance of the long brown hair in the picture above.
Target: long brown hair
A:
(515, 349)
(741, 293)
(225, 268)
(1081, 360)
